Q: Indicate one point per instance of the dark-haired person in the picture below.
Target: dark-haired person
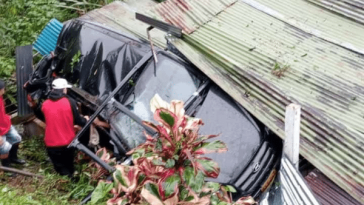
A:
(9, 137)
(60, 115)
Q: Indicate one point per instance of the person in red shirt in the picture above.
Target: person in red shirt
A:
(9, 137)
(60, 115)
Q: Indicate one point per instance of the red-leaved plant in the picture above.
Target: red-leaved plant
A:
(170, 169)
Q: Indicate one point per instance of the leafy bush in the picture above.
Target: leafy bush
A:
(170, 169)
(20, 23)
(22, 20)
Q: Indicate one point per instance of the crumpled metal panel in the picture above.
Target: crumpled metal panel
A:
(290, 188)
(47, 39)
(188, 14)
(266, 63)
(239, 49)
(294, 188)
(353, 9)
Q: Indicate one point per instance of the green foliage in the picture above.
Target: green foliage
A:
(53, 189)
(101, 193)
(75, 59)
(34, 149)
(10, 196)
(21, 21)
(174, 174)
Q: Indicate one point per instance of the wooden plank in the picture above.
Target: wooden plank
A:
(292, 130)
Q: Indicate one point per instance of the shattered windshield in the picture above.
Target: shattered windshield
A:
(171, 80)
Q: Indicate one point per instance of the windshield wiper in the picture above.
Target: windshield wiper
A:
(191, 101)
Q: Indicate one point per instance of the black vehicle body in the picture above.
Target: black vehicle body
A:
(116, 78)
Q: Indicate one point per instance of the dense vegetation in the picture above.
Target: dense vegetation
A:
(22, 20)
(53, 189)
(20, 23)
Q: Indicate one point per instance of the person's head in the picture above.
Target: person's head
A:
(2, 87)
(60, 84)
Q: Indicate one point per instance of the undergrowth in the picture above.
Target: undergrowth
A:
(52, 189)
(21, 21)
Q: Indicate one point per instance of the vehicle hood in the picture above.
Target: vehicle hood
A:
(221, 115)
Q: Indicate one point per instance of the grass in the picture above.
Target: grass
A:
(53, 189)
(279, 70)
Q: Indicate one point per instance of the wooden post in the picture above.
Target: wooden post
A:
(292, 130)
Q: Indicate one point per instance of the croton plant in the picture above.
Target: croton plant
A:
(170, 168)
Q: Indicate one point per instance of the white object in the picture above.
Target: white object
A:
(292, 129)
(60, 83)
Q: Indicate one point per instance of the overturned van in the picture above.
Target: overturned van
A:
(114, 78)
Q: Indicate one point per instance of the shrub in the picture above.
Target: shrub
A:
(170, 168)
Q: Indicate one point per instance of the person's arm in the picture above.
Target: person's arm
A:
(38, 112)
(100, 123)
(77, 118)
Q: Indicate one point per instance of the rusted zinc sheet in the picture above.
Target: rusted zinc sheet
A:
(353, 9)
(120, 16)
(244, 49)
(189, 14)
(327, 192)
(265, 62)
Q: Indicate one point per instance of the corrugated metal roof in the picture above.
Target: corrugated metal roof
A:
(292, 188)
(353, 9)
(327, 192)
(198, 12)
(315, 20)
(120, 16)
(47, 39)
(239, 48)
(265, 61)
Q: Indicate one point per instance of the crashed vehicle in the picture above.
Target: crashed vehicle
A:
(115, 77)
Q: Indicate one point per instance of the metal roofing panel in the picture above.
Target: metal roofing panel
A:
(353, 9)
(120, 16)
(47, 39)
(24, 68)
(239, 49)
(265, 64)
(327, 193)
(315, 20)
(294, 187)
(189, 14)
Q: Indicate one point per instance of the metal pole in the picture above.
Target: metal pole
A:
(84, 149)
(112, 94)
(8, 169)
